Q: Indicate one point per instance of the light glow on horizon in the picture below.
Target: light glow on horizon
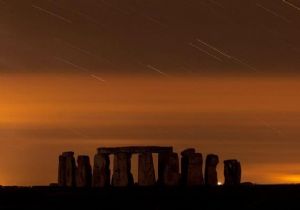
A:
(256, 120)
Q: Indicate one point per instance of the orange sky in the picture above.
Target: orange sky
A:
(220, 76)
(255, 120)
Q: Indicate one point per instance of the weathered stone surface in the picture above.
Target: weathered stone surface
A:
(146, 173)
(232, 172)
(84, 171)
(122, 176)
(68, 154)
(67, 169)
(192, 174)
(134, 149)
(162, 161)
(101, 170)
(62, 171)
(185, 164)
(188, 152)
(211, 176)
(171, 173)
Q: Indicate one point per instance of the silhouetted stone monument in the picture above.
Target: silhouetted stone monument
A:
(162, 159)
(195, 170)
(191, 168)
(162, 151)
(211, 176)
(62, 171)
(101, 170)
(171, 172)
(146, 173)
(67, 170)
(84, 171)
(232, 172)
(168, 168)
(185, 163)
(122, 176)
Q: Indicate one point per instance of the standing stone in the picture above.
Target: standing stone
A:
(84, 172)
(146, 173)
(70, 170)
(101, 171)
(195, 170)
(162, 161)
(191, 169)
(171, 173)
(232, 172)
(211, 176)
(187, 152)
(62, 171)
(185, 164)
(122, 176)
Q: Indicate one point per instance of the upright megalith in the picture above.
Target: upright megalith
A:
(211, 176)
(146, 173)
(232, 172)
(122, 176)
(162, 162)
(188, 152)
(171, 173)
(185, 164)
(67, 170)
(195, 170)
(101, 170)
(84, 171)
(191, 168)
(62, 171)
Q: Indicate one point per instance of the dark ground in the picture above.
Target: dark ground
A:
(241, 197)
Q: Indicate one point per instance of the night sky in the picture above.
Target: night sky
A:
(220, 76)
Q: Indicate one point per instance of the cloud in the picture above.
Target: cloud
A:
(126, 38)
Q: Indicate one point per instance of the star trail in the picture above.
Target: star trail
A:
(220, 76)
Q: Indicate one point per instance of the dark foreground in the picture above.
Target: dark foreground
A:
(241, 198)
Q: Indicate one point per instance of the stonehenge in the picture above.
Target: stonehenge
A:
(170, 173)
(232, 172)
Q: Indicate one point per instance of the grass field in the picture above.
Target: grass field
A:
(240, 197)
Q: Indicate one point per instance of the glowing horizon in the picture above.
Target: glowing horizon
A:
(255, 120)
